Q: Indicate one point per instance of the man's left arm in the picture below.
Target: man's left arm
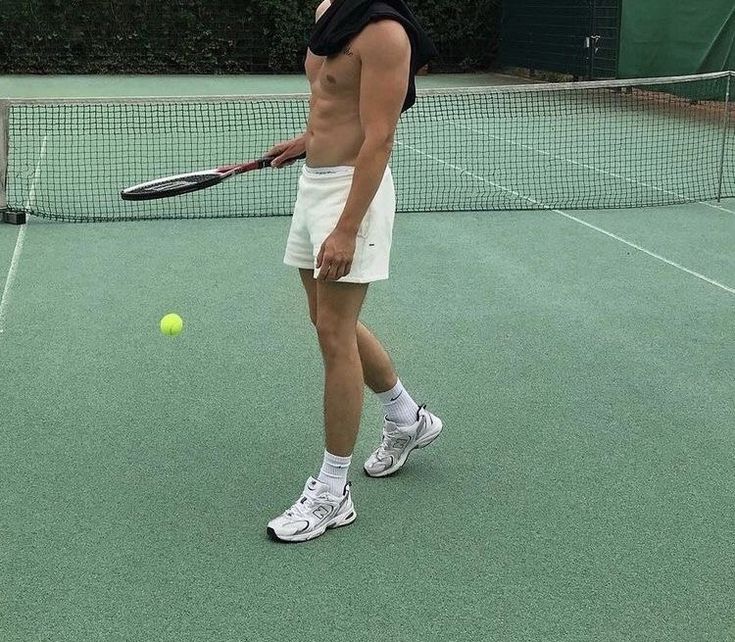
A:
(385, 53)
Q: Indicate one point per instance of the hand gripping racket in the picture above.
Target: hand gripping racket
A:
(191, 182)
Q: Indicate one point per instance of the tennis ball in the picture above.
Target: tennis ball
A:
(172, 324)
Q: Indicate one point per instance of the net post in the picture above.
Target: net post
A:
(7, 215)
(725, 127)
(4, 118)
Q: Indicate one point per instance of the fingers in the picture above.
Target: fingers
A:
(277, 153)
(343, 270)
(276, 150)
(279, 161)
(333, 270)
(325, 266)
(284, 160)
(285, 153)
(333, 264)
(328, 272)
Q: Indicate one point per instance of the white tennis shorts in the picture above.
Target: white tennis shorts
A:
(320, 202)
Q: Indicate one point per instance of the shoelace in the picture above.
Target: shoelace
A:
(392, 441)
(302, 508)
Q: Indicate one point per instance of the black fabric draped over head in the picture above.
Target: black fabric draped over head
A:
(347, 18)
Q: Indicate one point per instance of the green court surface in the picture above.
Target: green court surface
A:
(7, 244)
(582, 490)
(582, 361)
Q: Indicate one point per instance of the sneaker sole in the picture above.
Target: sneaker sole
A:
(305, 537)
(402, 461)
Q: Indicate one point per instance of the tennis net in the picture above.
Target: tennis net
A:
(608, 144)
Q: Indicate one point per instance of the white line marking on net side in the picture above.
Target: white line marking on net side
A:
(11, 276)
(719, 207)
(645, 251)
(20, 240)
(576, 220)
(599, 170)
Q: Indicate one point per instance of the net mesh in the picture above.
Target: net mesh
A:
(565, 146)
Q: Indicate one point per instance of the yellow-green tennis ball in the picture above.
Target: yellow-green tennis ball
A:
(172, 324)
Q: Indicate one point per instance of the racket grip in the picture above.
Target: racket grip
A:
(266, 162)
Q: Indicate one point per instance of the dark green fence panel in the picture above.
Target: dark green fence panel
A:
(664, 38)
(575, 37)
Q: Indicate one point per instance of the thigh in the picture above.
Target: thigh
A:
(338, 304)
(309, 282)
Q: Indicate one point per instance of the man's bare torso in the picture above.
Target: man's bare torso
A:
(334, 134)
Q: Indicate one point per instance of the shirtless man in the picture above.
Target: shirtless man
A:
(340, 241)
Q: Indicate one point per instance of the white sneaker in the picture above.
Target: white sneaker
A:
(399, 442)
(315, 512)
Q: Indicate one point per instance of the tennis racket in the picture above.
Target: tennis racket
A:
(191, 182)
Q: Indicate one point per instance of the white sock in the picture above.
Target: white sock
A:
(334, 472)
(399, 407)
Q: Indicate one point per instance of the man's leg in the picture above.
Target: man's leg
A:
(338, 310)
(377, 368)
(327, 501)
(378, 371)
(401, 411)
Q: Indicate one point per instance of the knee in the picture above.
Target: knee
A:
(335, 341)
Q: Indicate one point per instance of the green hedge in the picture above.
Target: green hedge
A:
(196, 36)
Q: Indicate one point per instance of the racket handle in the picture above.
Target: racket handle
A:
(261, 163)
(266, 162)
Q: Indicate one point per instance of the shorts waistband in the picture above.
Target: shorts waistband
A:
(328, 172)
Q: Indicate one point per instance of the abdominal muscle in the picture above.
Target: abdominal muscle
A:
(334, 133)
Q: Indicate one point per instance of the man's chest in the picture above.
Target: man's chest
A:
(334, 75)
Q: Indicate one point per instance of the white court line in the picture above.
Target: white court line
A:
(599, 170)
(577, 220)
(645, 251)
(724, 209)
(19, 242)
(717, 207)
